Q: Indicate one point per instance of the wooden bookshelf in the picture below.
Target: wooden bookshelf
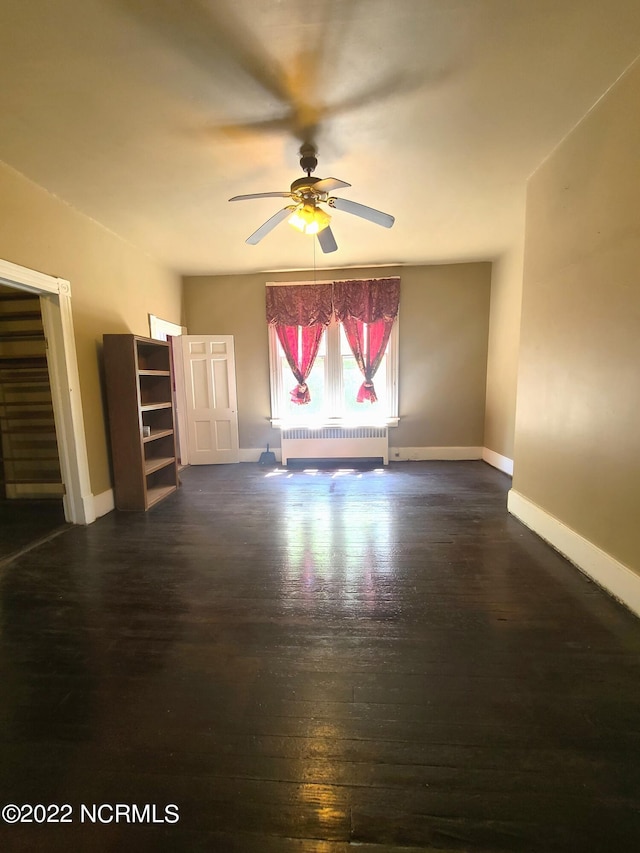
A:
(139, 395)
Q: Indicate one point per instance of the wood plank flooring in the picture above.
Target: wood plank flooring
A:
(23, 522)
(367, 661)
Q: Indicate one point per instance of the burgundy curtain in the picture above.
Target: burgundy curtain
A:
(367, 310)
(368, 342)
(300, 314)
(300, 345)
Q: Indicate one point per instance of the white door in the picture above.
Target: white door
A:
(211, 405)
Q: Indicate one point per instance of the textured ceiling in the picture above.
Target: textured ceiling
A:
(148, 115)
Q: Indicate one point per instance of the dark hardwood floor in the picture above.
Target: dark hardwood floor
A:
(23, 522)
(317, 663)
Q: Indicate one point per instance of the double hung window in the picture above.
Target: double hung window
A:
(337, 377)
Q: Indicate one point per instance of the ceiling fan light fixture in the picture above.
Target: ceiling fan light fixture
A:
(309, 219)
(305, 214)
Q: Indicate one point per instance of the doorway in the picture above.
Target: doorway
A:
(54, 296)
(31, 487)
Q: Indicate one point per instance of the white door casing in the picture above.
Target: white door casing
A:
(211, 400)
(162, 330)
(182, 444)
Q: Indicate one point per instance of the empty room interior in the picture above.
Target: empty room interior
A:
(319, 403)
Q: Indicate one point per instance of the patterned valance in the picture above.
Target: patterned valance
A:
(367, 301)
(300, 305)
(315, 304)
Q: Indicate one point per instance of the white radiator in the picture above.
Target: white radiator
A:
(335, 443)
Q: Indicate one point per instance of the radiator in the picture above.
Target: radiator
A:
(335, 443)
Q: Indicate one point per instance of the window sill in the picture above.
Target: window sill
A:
(340, 423)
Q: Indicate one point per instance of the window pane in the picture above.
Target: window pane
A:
(291, 411)
(315, 408)
(345, 349)
(353, 379)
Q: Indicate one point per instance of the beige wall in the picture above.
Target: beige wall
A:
(577, 443)
(504, 344)
(444, 319)
(114, 287)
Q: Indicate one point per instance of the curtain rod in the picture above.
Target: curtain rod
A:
(329, 281)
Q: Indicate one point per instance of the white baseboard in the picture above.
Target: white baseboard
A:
(425, 454)
(396, 454)
(503, 463)
(88, 510)
(619, 580)
(103, 503)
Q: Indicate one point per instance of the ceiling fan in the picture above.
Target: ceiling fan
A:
(305, 213)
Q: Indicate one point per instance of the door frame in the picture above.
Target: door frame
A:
(181, 399)
(164, 330)
(57, 320)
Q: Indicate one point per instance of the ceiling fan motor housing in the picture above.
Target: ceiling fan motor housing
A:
(304, 187)
(308, 159)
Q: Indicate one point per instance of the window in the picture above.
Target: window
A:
(333, 384)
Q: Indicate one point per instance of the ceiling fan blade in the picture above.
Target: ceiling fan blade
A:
(269, 225)
(377, 216)
(327, 240)
(326, 185)
(260, 195)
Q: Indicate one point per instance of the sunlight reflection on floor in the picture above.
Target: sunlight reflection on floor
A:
(330, 472)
